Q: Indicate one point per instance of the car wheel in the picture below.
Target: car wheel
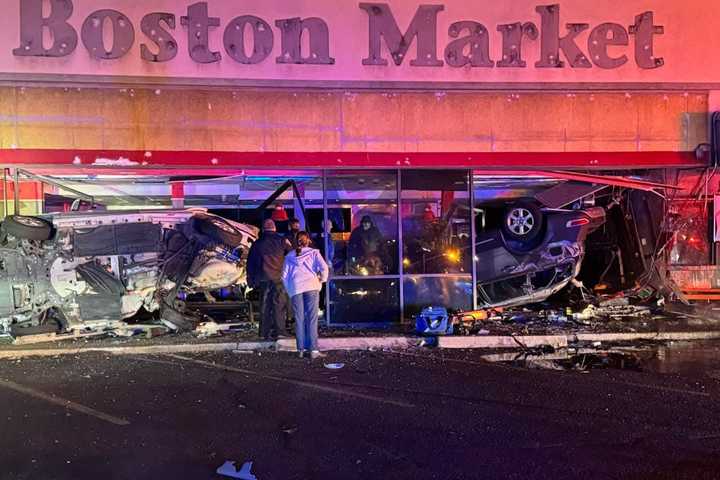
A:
(219, 229)
(30, 228)
(522, 221)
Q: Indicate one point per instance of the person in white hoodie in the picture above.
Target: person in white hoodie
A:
(304, 272)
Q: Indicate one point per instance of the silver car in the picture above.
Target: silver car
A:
(67, 271)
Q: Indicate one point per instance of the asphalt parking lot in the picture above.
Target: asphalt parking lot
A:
(417, 414)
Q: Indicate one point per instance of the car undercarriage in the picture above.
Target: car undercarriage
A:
(67, 272)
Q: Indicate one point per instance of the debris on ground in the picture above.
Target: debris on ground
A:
(576, 359)
(91, 330)
(629, 312)
(334, 366)
(212, 328)
(228, 469)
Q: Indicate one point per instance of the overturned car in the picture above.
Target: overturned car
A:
(534, 254)
(66, 272)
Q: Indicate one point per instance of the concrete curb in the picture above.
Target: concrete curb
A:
(504, 341)
(353, 343)
(366, 343)
(653, 336)
(146, 350)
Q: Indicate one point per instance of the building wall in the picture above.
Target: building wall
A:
(309, 121)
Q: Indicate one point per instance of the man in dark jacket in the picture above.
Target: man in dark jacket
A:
(366, 248)
(264, 272)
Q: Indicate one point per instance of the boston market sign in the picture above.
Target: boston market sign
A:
(338, 40)
(469, 45)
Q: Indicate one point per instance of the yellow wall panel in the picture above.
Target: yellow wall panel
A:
(373, 118)
(264, 120)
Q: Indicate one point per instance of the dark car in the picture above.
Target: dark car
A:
(533, 253)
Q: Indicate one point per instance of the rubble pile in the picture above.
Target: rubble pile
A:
(631, 313)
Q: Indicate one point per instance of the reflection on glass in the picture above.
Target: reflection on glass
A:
(238, 198)
(364, 301)
(436, 222)
(362, 209)
(689, 221)
(452, 292)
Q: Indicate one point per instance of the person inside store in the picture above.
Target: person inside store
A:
(304, 272)
(424, 241)
(264, 272)
(294, 229)
(318, 241)
(366, 249)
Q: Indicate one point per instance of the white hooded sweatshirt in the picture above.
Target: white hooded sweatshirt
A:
(304, 273)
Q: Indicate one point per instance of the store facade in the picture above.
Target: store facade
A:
(323, 94)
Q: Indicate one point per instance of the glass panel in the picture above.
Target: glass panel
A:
(238, 198)
(362, 206)
(364, 301)
(452, 292)
(436, 222)
(689, 221)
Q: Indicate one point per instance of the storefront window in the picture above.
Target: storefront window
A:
(362, 213)
(362, 208)
(689, 222)
(453, 292)
(436, 222)
(365, 301)
(238, 198)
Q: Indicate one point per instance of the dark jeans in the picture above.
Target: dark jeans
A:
(274, 309)
(305, 306)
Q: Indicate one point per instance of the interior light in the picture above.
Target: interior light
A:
(453, 255)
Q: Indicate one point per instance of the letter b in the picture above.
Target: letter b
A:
(32, 23)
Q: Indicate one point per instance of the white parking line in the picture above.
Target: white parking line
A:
(300, 383)
(63, 403)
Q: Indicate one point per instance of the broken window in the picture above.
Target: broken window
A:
(689, 224)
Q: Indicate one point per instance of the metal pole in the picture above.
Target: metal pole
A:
(473, 239)
(326, 237)
(55, 183)
(5, 201)
(16, 190)
(400, 245)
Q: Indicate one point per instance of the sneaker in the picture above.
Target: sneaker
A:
(317, 354)
(301, 354)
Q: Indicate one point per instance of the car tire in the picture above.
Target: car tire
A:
(29, 228)
(179, 321)
(218, 229)
(522, 221)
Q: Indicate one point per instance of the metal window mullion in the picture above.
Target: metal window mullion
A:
(16, 191)
(437, 275)
(400, 245)
(5, 197)
(366, 277)
(326, 236)
(473, 239)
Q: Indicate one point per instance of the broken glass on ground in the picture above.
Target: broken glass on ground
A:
(688, 358)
